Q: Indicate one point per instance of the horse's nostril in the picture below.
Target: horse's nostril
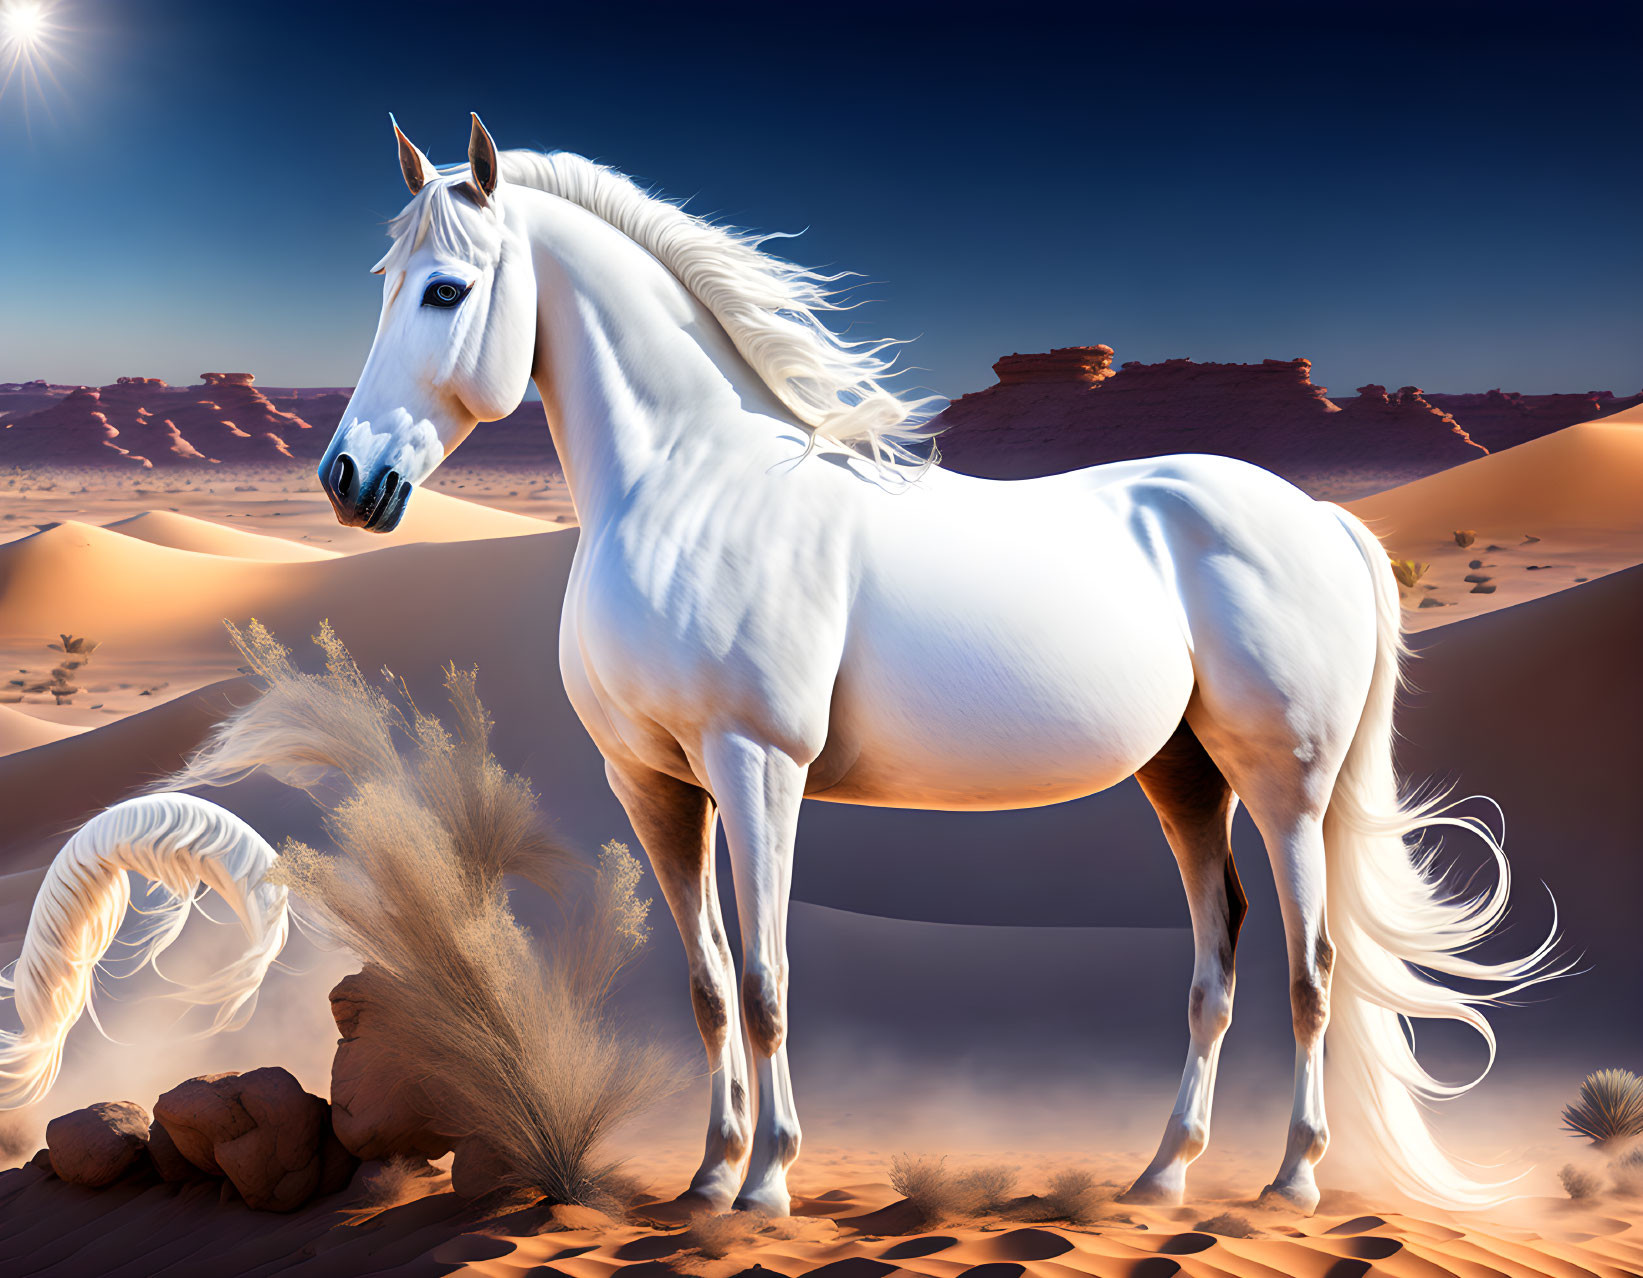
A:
(342, 475)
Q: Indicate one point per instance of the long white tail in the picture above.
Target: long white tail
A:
(176, 841)
(1389, 913)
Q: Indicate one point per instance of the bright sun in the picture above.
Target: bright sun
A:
(23, 22)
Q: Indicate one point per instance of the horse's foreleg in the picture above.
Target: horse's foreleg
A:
(674, 822)
(1195, 807)
(759, 790)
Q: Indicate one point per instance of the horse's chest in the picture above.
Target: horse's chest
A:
(659, 648)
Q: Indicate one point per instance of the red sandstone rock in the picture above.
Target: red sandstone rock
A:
(379, 1106)
(262, 1131)
(97, 1145)
(1405, 409)
(168, 1160)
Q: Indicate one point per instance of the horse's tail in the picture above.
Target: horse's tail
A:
(178, 842)
(1393, 920)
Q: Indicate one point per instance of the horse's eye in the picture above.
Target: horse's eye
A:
(444, 293)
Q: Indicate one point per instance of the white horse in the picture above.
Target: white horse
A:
(772, 599)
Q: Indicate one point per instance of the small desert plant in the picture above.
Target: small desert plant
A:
(1609, 1108)
(715, 1237)
(1579, 1183)
(986, 1191)
(1229, 1224)
(514, 1040)
(78, 644)
(928, 1187)
(1072, 1196)
(1464, 537)
(396, 1181)
(1408, 572)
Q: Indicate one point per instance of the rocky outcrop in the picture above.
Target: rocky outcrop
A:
(1504, 419)
(269, 1137)
(1068, 408)
(380, 1108)
(97, 1145)
(1404, 419)
(143, 422)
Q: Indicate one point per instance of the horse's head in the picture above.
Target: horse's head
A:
(455, 342)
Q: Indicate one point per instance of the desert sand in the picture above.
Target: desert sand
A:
(885, 992)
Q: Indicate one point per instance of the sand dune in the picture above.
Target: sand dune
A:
(24, 732)
(1546, 515)
(184, 532)
(53, 1228)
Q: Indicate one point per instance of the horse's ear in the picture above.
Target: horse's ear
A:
(487, 172)
(416, 167)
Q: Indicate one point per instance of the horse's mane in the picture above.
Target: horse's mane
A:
(771, 309)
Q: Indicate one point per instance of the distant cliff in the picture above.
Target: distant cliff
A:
(1068, 408)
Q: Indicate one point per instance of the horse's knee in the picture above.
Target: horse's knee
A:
(1209, 1009)
(712, 1016)
(764, 1009)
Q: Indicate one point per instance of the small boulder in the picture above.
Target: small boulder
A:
(97, 1145)
(168, 1160)
(380, 1107)
(261, 1130)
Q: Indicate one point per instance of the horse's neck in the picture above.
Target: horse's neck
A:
(634, 372)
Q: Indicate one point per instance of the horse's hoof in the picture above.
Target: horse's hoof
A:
(1156, 1191)
(771, 1201)
(1301, 1196)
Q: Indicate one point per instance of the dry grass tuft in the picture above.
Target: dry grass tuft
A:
(515, 1038)
(19, 1138)
(1409, 572)
(1609, 1108)
(1627, 1170)
(1229, 1224)
(715, 1237)
(1579, 1183)
(1073, 1196)
(396, 1181)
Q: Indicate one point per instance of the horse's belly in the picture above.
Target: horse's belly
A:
(1021, 711)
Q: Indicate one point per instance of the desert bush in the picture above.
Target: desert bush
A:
(76, 644)
(1229, 1224)
(1579, 1183)
(928, 1187)
(986, 1191)
(1609, 1108)
(1072, 1196)
(514, 1038)
(1408, 572)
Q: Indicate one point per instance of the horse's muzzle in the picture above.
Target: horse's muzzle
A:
(377, 506)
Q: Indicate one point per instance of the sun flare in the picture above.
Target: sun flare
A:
(29, 45)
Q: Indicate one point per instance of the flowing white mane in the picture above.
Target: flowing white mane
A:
(771, 309)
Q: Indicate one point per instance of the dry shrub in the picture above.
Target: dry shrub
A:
(516, 1040)
(395, 1181)
(1579, 1183)
(928, 1187)
(1609, 1108)
(986, 1191)
(715, 1237)
(1072, 1196)
(19, 1138)
(1229, 1224)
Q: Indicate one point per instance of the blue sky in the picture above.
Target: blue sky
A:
(1446, 194)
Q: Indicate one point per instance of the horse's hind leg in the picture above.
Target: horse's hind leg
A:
(1195, 806)
(674, 822)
